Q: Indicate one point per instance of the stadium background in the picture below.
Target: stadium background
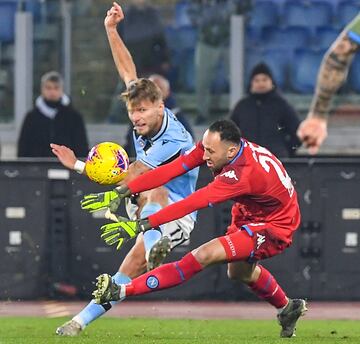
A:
(69, 36)
(51, 250)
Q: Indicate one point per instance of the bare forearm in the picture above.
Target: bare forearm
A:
(333, 72)
(121, 55)
(196, 201)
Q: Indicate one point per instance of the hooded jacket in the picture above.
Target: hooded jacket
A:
(270, 121)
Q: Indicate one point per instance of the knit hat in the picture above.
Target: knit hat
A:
(262, 68)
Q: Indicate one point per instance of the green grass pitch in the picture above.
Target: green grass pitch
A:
(121, 330)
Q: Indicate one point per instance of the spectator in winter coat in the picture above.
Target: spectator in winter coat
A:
(52, 120)
(265, 117)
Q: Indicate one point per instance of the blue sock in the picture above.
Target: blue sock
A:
(151, 236)
(120, 278)
(92, 311)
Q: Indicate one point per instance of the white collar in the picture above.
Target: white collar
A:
(48, 111)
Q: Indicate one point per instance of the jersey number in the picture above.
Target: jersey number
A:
(265, 158)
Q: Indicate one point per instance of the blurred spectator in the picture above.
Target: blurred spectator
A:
(170, 103)
(53, 120)
(212, 18)
(265, 117)
(144, 36)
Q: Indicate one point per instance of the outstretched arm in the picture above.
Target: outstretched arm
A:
(163, 174)
(150, 179)
(221, 189)
(68, 158)
(332, 74)
(121, 55)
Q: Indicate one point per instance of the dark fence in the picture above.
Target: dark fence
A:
(48, 243)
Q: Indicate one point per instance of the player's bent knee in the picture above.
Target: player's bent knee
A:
(210, 253)
(202, 257)
(238, 276)
(241, 277)
(245, 278)
(231, 275)
(242, 272)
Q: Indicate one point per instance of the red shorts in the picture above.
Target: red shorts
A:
(251, 242)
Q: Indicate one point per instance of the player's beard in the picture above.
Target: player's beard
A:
(213, 168)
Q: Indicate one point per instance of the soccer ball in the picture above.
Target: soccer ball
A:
(107, 163)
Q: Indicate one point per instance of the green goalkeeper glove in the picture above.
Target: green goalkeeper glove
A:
(103, 200)
(120, 232)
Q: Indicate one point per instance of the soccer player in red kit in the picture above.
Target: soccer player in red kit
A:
(265, 216)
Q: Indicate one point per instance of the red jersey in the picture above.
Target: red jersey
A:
(255, 180)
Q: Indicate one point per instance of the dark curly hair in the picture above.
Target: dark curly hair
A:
(227, 129)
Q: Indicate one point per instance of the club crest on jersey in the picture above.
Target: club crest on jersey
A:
(260, 240)
(229, 174)
(152, 282)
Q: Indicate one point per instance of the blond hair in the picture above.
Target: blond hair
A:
(142, 89)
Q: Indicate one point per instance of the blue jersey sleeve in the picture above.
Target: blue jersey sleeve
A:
(161, 152)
